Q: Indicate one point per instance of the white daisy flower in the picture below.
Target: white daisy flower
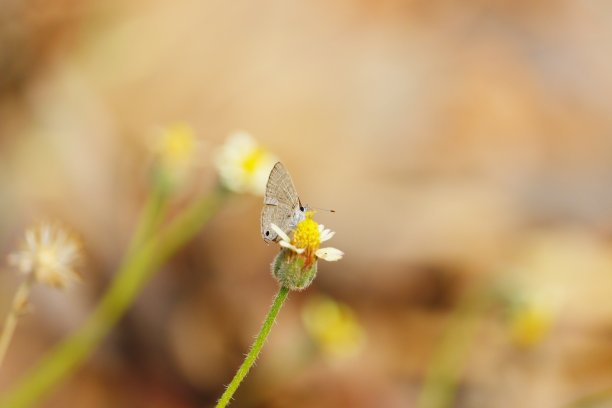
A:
(51, 254)
(307, 238)
(243, 164)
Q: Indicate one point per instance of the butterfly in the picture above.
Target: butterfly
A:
(282, 206)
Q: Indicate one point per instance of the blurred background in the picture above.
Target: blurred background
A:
(465, 146)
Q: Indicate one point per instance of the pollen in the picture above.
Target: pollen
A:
(307, 234)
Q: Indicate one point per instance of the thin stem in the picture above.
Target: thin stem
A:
(152, 216)
(17, 307)
(131, 276)
(255, 348)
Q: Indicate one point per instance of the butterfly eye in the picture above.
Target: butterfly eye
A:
(267, 233)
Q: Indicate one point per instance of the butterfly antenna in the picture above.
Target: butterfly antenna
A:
(323, 209)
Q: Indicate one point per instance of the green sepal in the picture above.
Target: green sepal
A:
(289, 270)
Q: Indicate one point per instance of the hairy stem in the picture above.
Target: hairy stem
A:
(255, 348)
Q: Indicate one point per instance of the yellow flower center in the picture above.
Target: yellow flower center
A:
(178, 145)
(47, 257)
(251, 161)
(307, 235)
(49, 268)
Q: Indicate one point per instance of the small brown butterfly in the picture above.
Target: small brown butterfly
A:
(282, 206)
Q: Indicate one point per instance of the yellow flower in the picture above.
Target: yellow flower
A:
(243, 164)
(333, 326)
(175, 150)
(530, 323)
(177, 145)
(50, 253)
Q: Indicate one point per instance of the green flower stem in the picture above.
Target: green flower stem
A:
(445, 370)
(129, 279)
(255, 348)
(19, 302)
(152, 216)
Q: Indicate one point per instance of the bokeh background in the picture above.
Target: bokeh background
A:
(465, 146)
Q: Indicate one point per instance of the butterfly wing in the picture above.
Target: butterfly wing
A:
(280, 203)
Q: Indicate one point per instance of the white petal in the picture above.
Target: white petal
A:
(326, 235)
(329, 254)
(242, 140)
(280, 232)
(30, 239)
(287, 245)
(45, 234)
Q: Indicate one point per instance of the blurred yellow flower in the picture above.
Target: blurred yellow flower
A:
(177, 145)
(333, 326)
(175, 150)
(530, 323)
(243, 164)
(50, 253)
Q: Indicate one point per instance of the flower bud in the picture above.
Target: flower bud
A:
(293, 271)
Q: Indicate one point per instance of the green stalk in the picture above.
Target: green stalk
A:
(280, 298)
(152, 217)
(131, 276)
